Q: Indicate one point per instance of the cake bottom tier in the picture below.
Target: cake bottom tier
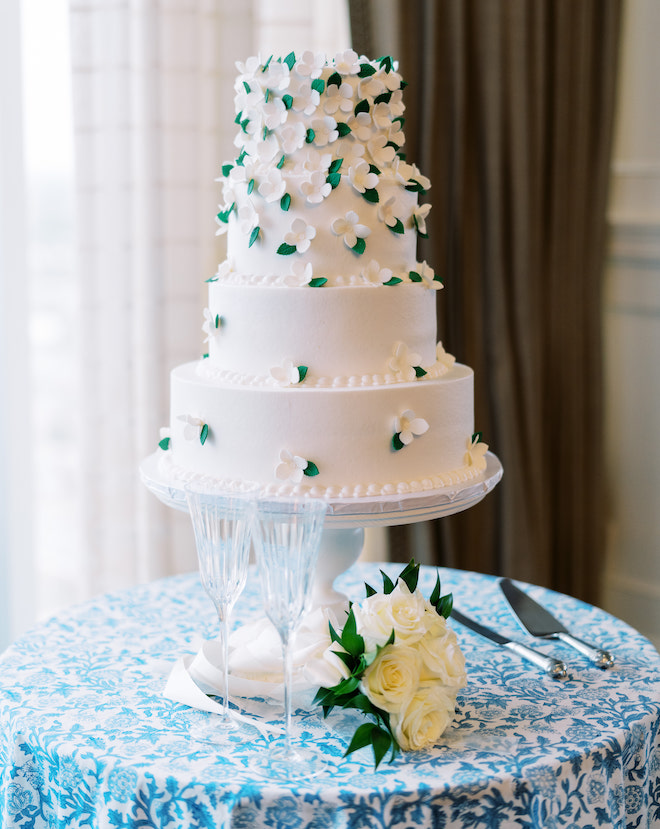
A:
(345, 436)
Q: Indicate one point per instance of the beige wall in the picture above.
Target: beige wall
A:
(632, 332)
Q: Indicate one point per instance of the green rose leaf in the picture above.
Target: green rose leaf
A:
(410, 575)
(371, 196)
(395, 280)
(285, 202)
(290, 60)
(359, 247)
(164, 443)
(334, 79)
(204, 434)
(317, 282)
(388, 584)
(318, 85)
(311, 469)
(285, 250)
(396, 442)
(254, 236)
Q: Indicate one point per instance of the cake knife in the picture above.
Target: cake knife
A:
(541, 623)
(554, 667)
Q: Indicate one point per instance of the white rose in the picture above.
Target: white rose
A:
(428, 713)
(326, 670)
(392, 678)
(442, 658)
(400, 611)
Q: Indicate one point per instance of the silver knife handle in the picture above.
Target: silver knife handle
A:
(603, 659)
(554, 667)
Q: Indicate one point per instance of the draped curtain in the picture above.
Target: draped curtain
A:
(510, 113)
(153, 118)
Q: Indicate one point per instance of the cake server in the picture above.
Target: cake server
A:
(554, 667)
(541, 623)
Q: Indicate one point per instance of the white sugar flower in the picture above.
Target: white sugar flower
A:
(392, 80)
(403, 362)
(371, 86)
(417, 177)
(476, 452)
(444, 357)
(428, 276)
(350, 228)
(277, 76)
(300, 235)
(316, 188)
(361, 177)
(401, 170)
(381, 116)
(193, 426)
(291, 467)
(312, 162)
(386, 212)
(305, 99)
(272, 187)
(287, 374)
(379, 151)
(407, 426)
(325, 131)
(338, 98)
(248, 68)
(211, 325)
(373, 274)
(310, 65)
(397, 107)
(361, 126)
(248, 218)
(419, 217)
(266, 151)
(274, 113)
(301, 274)
(347, 63)
(292, 136)
(351, 151)
(395, 134)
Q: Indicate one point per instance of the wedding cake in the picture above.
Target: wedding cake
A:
(323, 374)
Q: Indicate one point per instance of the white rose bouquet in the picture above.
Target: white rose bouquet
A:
(400, 665)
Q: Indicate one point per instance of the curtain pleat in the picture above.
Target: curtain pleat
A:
(509, 112)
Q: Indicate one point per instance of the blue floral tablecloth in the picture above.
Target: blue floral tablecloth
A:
(88, 739)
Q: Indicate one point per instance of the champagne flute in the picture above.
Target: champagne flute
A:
(222, 522)
(287, 535)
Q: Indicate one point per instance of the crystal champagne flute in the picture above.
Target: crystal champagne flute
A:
(222, 524)
(287, 535)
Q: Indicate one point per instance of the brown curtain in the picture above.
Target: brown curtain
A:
(510, 113)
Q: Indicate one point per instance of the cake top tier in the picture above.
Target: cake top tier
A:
(307, 128)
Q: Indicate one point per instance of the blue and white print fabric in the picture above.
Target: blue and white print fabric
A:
(87, 738)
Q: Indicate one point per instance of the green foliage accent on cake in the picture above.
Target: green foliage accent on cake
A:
(286, 250)
(371, 196)
(414, 276)
(419, 371)
(397, 227)
(285, 201)
(287, 100)
(290, 60)
(254, 236)
(343, 129)
(395, 280)
(396, 442)
(302, 372)
(317, 282)
(164, 444)
(335, 79)
(311, 470)
(318, 85)
(366, 70)
(310, 135)
(204, 433)
(359, 247)
(362, 106)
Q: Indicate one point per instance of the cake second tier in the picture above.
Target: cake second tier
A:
(330, 442)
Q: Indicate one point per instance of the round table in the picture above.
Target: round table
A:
(87, 737)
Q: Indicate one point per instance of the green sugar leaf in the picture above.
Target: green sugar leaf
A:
(254, 236)
(250, 186)
(359, 247)
(267, 96)
(318, 85)
(362, 106)
(205, 356)
(374, 169)
(334, 79)
(285, 249)
(400, 119)
(267, 64)
(371, 196)
(164, 443)
(396, 442)
(311, 469)
(204, 434)
(309, 136)
(265, 133)
(395, 280)
(386, 63)
(218, 321)
(246, 86)
(404, 84)
(414, 276)
(288, 101)
(290, 60)
(366, 70)
(398, 227)
(333, 179)
(285, 202)
(244, 124)
(476, 437)
(302, 372)
(317, 282)
(437, 278)
(239, 117)
(335, 167)
(394, 146)
(383, 98)
(241, 158)
(213, 278)
(280, 163)
(226, 169)
(419, 371)
(343, 129)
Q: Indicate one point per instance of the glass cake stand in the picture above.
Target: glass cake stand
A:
(346, 520)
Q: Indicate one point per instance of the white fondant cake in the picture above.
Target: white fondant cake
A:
(323, 373)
